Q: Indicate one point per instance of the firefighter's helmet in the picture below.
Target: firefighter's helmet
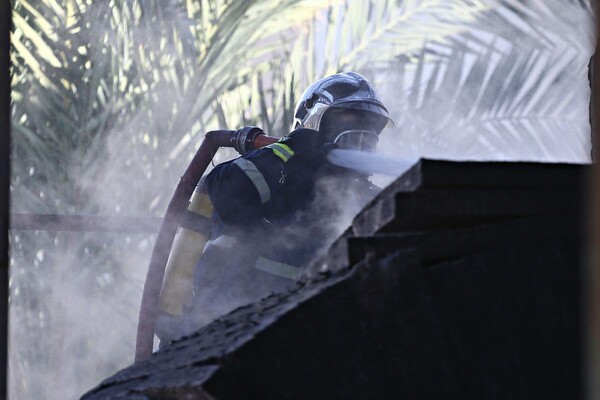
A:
(327, 103)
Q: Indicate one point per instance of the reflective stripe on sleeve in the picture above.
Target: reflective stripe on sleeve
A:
(256, 177)
(277, 268)
(282, 151)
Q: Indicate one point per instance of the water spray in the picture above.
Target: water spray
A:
(370, 163)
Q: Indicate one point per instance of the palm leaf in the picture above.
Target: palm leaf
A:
(515, 98)
(141, 80)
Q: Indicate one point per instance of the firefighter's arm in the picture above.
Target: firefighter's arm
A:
(242, 189)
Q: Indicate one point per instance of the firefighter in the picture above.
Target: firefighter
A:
(277, 207)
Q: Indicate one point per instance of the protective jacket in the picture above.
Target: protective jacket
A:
(275, 209)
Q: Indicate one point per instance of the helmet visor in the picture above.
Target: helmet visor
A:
(366, 105)
(357, 139)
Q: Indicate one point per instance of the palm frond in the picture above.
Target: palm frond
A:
(505, 97)
(110, 100)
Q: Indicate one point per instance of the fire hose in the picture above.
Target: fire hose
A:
(243, 140)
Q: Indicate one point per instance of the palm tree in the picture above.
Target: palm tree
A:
(110, 100)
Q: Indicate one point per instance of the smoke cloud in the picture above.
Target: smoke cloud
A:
(505, 86)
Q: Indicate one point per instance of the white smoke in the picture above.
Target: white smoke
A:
(75, 297)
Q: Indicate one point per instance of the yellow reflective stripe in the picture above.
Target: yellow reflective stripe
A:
(280, 155)
(256, 177)
(277, 268)
(200, 204)
(285, 147)
(282, 151)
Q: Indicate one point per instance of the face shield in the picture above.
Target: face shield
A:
(353, 128)
(357, 139)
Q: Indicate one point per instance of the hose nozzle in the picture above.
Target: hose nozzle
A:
(251, 138)
(244, 141)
